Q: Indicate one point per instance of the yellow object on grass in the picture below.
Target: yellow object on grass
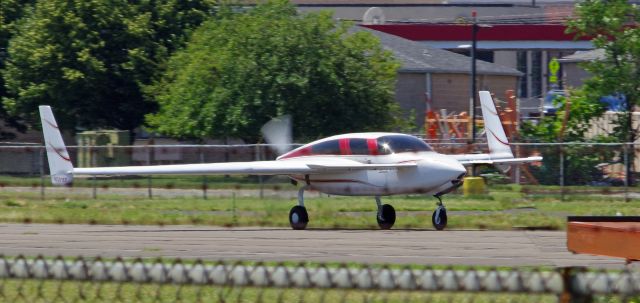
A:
(473, 186)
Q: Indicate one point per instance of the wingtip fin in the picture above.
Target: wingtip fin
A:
(60, 164)
(496, 137)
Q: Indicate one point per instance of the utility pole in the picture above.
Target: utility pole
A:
(474, 93)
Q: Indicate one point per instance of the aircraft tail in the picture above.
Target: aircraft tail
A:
(60, 164)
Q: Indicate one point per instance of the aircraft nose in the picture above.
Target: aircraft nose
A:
(451, 172)
(451, 168)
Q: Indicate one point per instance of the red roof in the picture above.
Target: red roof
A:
(458, 32)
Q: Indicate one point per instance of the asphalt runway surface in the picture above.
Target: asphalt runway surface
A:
(452, 247)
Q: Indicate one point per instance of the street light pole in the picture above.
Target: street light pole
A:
(474, 31)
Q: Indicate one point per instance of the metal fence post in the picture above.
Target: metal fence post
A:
(626, 178)
(149, 192)
(258, 157)
(95, 187)
(204, 177)
(569, 293)
(233, 208)
(562, 172)
(42, 152)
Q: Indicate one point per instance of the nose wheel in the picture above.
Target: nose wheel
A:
(386, 215)
(439, 217)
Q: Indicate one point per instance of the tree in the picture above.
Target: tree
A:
(243, 68)
(11, 11)
(613, 24)
(580, 162)
(90, 58)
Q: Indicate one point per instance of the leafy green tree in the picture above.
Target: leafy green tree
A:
(90, 58)
(580, 162)
(243, 68)
(614, 26)
(11, 11)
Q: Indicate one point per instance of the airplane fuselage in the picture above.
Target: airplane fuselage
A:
(433, 173)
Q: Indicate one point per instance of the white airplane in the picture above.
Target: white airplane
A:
(358, 164)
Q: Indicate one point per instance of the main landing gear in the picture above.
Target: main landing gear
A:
(439, 217)
(386, 215)
(298, 217)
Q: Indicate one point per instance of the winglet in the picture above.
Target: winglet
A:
(59, 160)
(496, 137)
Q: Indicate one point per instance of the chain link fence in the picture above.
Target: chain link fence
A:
(599, 165)
(81, 280)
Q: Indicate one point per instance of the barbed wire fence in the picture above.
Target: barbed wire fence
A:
(58, 279)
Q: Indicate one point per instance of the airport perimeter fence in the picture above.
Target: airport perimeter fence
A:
(567, 167)
(81, 280)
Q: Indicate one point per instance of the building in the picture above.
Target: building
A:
(441, 75)
(522, 34)
(572, 74)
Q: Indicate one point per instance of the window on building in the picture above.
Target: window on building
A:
(536, 74)
(484, 55)
(521, 57)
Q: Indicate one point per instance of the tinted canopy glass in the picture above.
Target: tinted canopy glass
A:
(326, 148)
(401, 144)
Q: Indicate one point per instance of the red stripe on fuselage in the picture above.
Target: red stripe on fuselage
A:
(333, 181)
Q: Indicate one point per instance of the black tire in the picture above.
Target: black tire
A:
(298, 217)
(439, 218)
(387, 217)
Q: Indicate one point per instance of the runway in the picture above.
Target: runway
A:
(458, 247)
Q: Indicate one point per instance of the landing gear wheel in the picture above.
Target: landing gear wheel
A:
(386, 216)
(439, 218)
(298, 217)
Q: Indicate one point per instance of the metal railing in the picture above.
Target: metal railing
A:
(24, 279)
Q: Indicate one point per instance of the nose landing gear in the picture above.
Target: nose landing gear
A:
(439, 217)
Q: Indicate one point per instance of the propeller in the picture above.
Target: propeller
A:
(277, 132)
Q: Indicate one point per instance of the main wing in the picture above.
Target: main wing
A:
(499, 161)
(283, 167)
(62, 171)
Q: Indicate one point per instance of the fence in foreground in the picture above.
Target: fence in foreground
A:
(45, 279)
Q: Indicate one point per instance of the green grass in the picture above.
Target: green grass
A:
(500, 210)
(15, 290)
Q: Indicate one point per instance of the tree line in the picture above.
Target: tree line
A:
(191, 69)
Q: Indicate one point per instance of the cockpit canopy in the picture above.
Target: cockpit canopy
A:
(394, 144)
(384, 145)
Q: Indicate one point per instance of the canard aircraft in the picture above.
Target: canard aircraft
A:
(357, 164)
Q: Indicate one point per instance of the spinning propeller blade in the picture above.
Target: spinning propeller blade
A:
(277, 132)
